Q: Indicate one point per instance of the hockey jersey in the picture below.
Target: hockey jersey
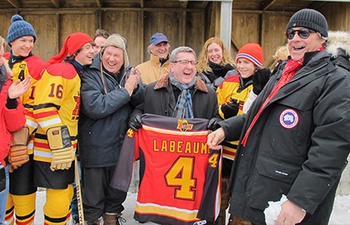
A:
(23, 67)
(179, 174)
(228, 90)
(57, 103)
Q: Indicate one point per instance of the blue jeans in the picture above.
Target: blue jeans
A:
(74, 205)
(3, 197)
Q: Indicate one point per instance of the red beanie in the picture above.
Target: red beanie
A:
(252, 52)
(70, 46)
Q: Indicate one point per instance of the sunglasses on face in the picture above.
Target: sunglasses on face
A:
(303, 33)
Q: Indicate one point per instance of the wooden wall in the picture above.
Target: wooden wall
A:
(182, 27)
(137, 26)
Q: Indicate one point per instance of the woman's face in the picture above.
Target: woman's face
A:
(22, 46)
(215, 54)
(245, 67)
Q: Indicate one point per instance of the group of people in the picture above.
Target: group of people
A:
(282, 133)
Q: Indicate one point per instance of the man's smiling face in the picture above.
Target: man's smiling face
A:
(298, 46)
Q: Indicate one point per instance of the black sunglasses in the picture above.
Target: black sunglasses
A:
(303, 33)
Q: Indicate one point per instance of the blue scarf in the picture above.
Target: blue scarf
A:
(183, 108)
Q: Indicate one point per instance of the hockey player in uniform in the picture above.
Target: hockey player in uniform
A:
(233, 92)
(57, 111)
(21, 199)
(12, 119)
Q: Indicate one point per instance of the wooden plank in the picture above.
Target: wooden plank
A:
(266, 4)
(15, 3)
(98, 2)
(56, 3)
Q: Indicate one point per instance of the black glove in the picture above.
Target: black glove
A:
(230, 109)
(213, 124)
(135, 123)
(260, 78)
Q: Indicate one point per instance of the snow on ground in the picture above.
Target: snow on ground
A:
(340, 215)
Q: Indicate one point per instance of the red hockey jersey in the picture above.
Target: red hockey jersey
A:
(179, 174)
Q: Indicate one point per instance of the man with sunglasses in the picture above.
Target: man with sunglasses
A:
(294, 140)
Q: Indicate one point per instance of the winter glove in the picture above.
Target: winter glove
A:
(260, 78)
(213, 124)
(62, 158)
(135, 123)
(230, 109)
(61, 147)
(18, 155)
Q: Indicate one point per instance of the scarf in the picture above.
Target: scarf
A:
(78, 67)
(291, 68)
(183, 107)
(217, 71)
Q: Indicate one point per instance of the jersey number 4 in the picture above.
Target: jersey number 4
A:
(181, 176)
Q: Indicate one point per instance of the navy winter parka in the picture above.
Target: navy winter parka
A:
(103, 119)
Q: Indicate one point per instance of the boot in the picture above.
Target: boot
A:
(96, 222)
(235, 220)
(113, 219)
(225, 198)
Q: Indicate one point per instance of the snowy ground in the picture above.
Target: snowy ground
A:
(340, 215)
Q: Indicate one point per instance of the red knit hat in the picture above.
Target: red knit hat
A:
(70, 46)
(252, 52)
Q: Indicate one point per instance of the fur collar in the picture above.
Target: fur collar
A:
(338, 39)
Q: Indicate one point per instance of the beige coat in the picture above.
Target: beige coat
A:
(151, 70)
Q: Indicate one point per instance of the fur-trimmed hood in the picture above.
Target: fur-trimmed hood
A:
(338, 39)
(339, 47)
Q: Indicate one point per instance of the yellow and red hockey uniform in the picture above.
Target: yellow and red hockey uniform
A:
(57, 104)
(231, 89)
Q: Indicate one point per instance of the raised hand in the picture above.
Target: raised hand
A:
(18, 88)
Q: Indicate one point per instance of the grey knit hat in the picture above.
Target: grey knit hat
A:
(119, 42)
(311, 19)
(19, 28)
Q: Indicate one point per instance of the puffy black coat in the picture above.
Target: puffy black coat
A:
(298, 146)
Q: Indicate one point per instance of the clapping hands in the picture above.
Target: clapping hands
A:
(18, 88)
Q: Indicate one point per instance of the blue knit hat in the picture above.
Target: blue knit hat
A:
(19, 28)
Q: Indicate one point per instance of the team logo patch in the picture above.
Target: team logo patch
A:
(183, 125)
(130, 133)
(289, 118)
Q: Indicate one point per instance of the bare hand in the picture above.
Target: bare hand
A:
(133, 80)
(290, 214)
(18, 88)
(215, 138)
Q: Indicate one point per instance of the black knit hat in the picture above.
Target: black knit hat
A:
(311, 19)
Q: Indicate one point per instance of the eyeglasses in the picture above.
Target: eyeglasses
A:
(186, 62)
(303, 33)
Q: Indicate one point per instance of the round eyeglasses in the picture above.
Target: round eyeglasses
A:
(303, 33)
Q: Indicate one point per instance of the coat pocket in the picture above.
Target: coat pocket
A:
(271, 179)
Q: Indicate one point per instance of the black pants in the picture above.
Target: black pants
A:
(98, 196)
